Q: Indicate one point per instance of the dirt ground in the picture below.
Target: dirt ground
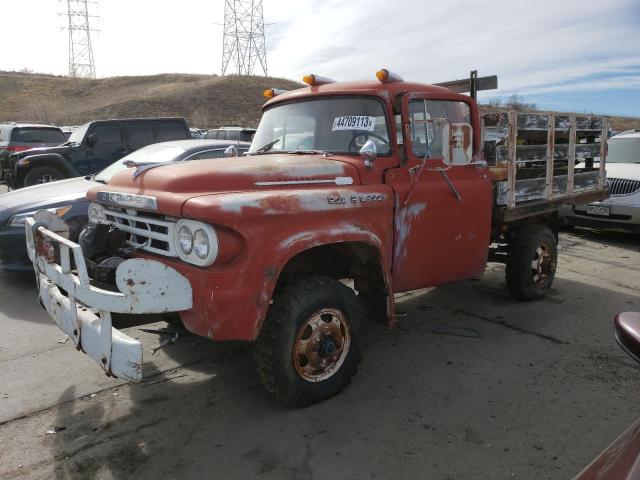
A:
(471, 385)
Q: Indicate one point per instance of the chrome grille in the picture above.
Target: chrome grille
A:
(619, 186)
(151, 233)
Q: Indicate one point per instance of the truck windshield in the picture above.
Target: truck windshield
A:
(333, 125)
(78, 134)
(624, 150)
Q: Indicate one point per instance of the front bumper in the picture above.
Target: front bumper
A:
(624, 215)
(83, 311)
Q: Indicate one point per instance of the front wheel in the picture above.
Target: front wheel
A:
(311, 341)
(42, 175)
(531, 262)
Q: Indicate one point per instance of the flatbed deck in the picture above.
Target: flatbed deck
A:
(538, 161)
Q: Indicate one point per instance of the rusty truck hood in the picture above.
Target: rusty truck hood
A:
(174, 184)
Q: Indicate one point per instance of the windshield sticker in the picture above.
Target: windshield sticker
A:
(354, 122)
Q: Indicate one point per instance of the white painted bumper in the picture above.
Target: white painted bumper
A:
(84, 313)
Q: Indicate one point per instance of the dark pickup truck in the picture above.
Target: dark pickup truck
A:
(89, 149)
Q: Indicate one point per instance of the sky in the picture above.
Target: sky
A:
(568, 55)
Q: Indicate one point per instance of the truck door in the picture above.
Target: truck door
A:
(108, 146)
(442, 219)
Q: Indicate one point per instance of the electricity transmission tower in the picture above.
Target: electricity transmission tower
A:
(243, 45)
(81, 62)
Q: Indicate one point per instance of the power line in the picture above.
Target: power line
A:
(243, 43)
(81, 62)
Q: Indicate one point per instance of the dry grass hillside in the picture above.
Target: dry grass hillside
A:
(205, 100)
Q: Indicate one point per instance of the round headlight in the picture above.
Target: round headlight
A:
(201, 243)
(195, 242)
(185, 238)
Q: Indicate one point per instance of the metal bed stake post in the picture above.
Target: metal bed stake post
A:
(603, 152)
(571, 162)
(513, 161)
(551, 140)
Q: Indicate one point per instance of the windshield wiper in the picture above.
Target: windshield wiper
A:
(318, 152)
(267, 147)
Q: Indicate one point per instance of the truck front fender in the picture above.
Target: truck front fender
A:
(50, 160)
(297, 243)
(276, 225)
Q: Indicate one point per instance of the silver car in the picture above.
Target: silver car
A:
(620, 212)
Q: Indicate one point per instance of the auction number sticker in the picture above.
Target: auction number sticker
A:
(354, 122)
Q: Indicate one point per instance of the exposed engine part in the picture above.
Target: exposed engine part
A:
(99, 240)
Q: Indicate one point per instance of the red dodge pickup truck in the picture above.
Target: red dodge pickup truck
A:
(350, 193)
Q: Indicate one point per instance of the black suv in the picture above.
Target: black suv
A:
(89, 149)
(19, 136)
(231, 133)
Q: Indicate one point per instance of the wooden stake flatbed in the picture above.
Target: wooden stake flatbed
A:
(539, 161)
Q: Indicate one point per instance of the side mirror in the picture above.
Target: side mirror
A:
(92, 139)
(369, 152)
(458, 149)
(231, 151)
(626, 328)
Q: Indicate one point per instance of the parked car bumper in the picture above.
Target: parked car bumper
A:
(623, 214)
(13, 250)
(83, 311)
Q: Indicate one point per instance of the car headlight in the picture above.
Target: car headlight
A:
(97, 214)
(201, 243)
(18, 220)
(195, 242)
(185, 239)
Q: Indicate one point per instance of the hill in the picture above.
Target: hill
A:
(206, 101)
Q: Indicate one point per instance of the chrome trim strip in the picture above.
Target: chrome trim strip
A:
(336, 181)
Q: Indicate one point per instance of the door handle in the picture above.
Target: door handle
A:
(451, 185)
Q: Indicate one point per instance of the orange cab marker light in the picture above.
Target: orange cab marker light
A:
(385, 76)
(313, 80)
(273, 92)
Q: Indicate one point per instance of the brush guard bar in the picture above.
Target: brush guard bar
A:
(83, 311)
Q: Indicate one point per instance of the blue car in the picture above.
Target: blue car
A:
(66, 198)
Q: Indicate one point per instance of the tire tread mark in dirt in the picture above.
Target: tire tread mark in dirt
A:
(68, 455)
(512, 327)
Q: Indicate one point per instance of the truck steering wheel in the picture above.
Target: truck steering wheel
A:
(353, 145)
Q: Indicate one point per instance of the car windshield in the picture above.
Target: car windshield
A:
(78, 134)
(157, 153)
(333, 125)
(624, 150)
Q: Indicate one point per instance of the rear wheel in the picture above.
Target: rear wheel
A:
(531, 263)
(42, 175)
(311, 341)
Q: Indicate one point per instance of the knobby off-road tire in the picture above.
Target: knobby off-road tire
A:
(531, 263)
(311, 341)
(42, 175)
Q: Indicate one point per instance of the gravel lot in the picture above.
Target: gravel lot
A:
(470, 385)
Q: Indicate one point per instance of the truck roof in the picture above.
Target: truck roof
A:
(373, 87)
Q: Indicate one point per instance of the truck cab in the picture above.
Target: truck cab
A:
(351, 193)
